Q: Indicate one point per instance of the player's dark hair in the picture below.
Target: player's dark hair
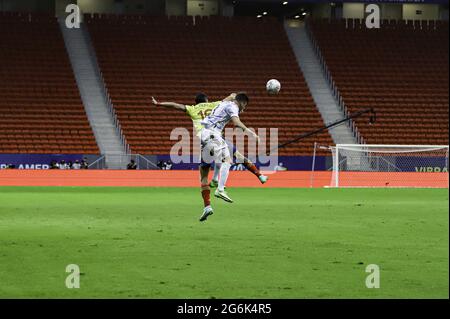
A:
(201, 98)
(242, 97)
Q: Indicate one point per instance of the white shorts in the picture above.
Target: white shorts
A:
(214, 147)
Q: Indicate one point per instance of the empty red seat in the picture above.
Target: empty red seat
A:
(40, 106)
(175, 58)
(401, 70)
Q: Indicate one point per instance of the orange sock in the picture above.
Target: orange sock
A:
(206, 195)
(252, 168)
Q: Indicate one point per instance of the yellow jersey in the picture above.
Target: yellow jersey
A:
(198, 112)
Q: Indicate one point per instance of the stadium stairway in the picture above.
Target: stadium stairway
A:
(93, 94)
(317, 83)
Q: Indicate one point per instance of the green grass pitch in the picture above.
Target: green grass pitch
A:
(270, 243)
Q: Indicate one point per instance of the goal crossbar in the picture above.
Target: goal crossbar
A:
(373, 165)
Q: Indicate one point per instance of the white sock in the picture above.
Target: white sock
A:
(224, 170)
(216, 171)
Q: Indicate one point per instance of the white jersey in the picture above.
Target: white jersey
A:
(76, 166)
(221, 115)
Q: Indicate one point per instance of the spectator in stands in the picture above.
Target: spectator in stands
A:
(84, 163)
(164, 165)
(54, 165)
(63, 164)
(132, 165)
(76, 165)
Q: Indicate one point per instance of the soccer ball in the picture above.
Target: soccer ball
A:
(273, 86)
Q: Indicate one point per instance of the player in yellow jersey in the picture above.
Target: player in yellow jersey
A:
(197, 113)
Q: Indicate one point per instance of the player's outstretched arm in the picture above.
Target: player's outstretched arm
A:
(230, 97)
(171, 105)
(237, 123)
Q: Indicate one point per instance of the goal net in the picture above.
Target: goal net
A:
(357, 165)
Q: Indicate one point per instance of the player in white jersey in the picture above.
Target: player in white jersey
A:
(214, 147)
(197, 113)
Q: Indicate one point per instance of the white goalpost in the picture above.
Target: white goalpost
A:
(359, 165)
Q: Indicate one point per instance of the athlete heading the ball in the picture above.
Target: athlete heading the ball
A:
(213, 141)
(197, 113)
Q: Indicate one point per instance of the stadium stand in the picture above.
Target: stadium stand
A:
(40, 107)
(401, 70)
(174, 58)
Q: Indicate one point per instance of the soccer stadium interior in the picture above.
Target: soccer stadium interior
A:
(359, 175)
(86, 92)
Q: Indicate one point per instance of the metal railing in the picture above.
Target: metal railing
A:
(141, 161)
(106, 95)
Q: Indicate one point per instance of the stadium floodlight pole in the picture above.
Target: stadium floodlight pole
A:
(351, 116)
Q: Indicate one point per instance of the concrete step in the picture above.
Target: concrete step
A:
(91, 87)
